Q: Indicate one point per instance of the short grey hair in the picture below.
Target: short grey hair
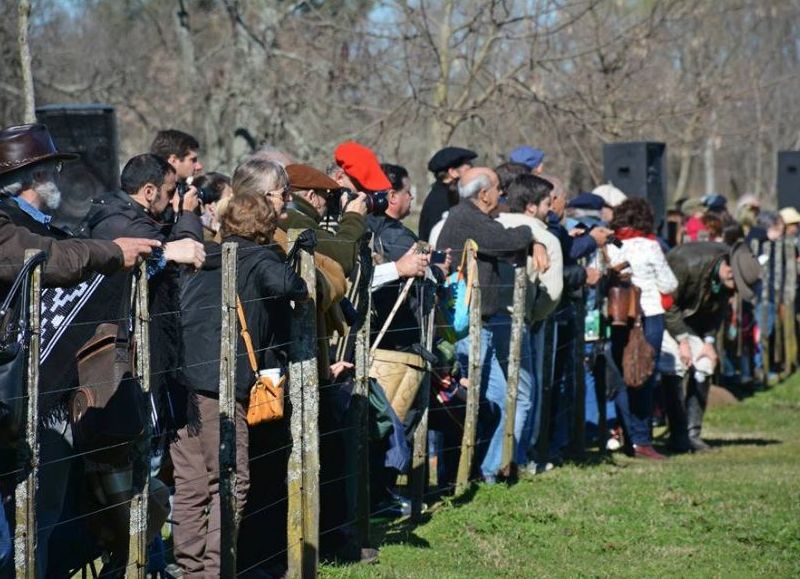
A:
(471, 188)
(258, 175)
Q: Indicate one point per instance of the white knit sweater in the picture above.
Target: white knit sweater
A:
(649, 268)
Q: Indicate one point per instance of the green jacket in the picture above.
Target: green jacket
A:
(696, 308)
(341, 247)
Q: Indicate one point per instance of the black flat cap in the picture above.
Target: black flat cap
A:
(449, 158)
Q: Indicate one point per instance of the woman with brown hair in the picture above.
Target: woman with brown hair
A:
(641, 256)
(265, 286)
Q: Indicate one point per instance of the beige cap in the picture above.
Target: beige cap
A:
(789, 215)
(610, 194)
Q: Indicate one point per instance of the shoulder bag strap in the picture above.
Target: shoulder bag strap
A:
(248, 342)
(22, 279)
(124, 318)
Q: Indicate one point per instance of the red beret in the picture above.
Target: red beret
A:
(361, 164)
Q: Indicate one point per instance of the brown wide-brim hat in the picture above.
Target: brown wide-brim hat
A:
(746, 270)
(25, 145)
(304, 177)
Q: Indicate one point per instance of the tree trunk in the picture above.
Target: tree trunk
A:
(24, 12)
(684, 172)
(708, 157)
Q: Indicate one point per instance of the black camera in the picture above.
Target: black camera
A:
(376, 202)
(182, 188)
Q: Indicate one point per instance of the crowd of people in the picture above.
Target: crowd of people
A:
(626, 319)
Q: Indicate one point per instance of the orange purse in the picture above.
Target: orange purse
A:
(266, 397)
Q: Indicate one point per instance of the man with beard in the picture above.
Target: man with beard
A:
(29, 166)
(448, 166)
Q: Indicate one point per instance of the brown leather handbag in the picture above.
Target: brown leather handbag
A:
(107, 409)
(266, 397)
(638, 357)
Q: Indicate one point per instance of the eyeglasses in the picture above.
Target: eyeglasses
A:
(283, 193)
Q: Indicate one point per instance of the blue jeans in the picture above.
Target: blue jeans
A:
(6, 556)
(495, 336)
(592, 412)
(635, 405)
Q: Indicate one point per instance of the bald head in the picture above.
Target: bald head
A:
(481, 186)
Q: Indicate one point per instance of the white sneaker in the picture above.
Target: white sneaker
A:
(613, 444)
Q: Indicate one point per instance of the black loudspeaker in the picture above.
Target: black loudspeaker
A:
(788, 179)
(91, 131)
(639, 170)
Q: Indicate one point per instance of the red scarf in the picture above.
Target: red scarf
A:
(624, 233)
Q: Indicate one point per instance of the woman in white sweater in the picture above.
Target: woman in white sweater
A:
(649, 270)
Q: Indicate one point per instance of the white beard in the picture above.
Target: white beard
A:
(49, 193)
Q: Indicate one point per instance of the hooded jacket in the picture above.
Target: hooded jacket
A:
(697, 309)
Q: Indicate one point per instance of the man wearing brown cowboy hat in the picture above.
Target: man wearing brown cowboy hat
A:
(708, 275)
(29, 165)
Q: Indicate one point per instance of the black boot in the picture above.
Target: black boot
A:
(675, 407)
(696, 400)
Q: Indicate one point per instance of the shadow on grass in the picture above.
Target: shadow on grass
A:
(722, 442)
(400, 533)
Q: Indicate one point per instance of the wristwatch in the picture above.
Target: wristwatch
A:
(710, 340)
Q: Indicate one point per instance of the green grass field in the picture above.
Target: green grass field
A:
(733, 512)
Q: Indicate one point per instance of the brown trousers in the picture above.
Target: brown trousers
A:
(196, 504)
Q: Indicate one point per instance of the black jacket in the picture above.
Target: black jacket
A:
(495, 243)
(265, 284)
(118, 215)
(699, 303)
(391, 240)
(440, 199)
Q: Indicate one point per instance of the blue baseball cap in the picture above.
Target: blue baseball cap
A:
(527, 156)
(587, 201)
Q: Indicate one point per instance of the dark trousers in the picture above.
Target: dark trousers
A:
(635, 405)
(196, 505)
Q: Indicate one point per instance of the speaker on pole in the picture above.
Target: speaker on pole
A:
(639, 170)
(90, 130)
(788, 179)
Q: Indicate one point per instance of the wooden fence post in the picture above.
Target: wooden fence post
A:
(473, 392)
(789, 297)
(361, 421)
(303, 468)
(137, 546)
(419, 461)
(25, 495)
(514, 361)
(229, 338)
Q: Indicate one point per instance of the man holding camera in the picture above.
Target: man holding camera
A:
(316, 196)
